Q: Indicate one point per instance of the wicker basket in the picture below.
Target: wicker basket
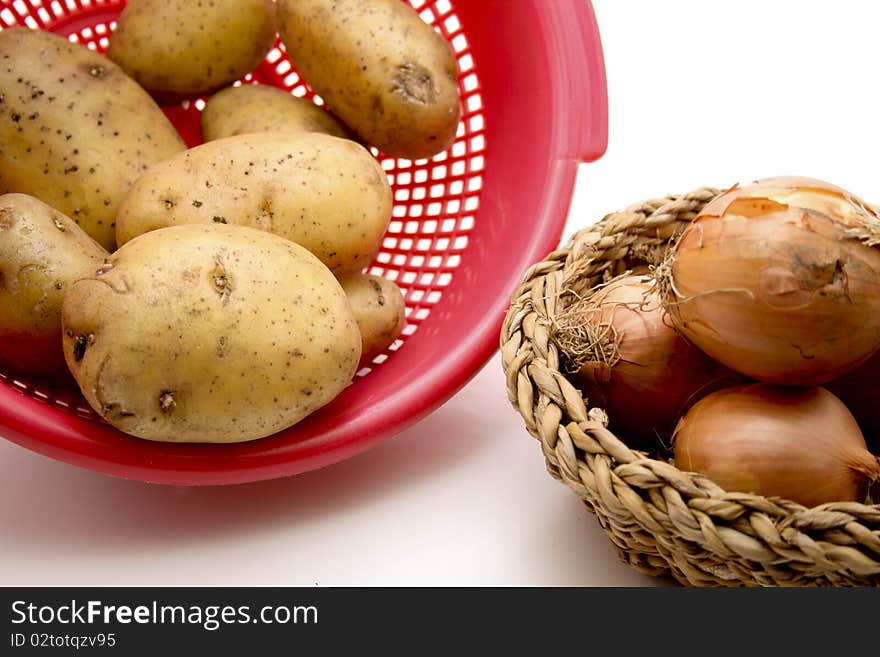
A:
(663, 521)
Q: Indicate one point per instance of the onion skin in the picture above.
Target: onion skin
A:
(653, 373)
(801, 444)
(769, 281)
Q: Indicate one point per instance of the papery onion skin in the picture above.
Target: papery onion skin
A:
(801, 444)
(798, 191)
(774, 280)
(651, 375)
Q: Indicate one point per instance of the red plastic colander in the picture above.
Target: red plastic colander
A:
(466, 225)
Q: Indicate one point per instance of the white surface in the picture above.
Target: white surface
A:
(701, 93)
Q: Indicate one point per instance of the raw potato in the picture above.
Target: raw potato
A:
(327, 194)
(378, 307)
(209, 333)
(261, 108)
(388, 75)
(182, 49)
(42, 252)
(75, 131)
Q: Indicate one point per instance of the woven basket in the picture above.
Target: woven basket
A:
(663, 521)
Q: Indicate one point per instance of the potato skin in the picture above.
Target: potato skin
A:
(75, 131)
(328, 194)
(379, 308)
(381, 69)
(209, 333)
(261, 108)
(42, 252)
(180, 49)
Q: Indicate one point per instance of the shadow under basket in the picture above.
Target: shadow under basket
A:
(661, 520)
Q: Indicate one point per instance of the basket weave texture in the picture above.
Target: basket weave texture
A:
(661, 520)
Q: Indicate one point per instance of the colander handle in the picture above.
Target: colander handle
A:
(585, 78)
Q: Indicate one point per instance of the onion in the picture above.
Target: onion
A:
(626, 359)
(801, 444)
(778, 280)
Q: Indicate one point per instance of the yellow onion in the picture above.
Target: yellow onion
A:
(779, 281)
(630, 362)
(798, 443)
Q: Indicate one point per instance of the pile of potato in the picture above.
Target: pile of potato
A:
(214, 293)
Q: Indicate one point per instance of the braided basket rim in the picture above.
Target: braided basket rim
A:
(662, 520)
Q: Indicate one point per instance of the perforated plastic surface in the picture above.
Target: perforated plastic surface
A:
(465, 224)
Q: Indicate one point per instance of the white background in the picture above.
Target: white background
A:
(700, 93)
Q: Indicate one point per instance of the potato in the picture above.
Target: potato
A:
(378, 307)
(42, 252)
(325, 193)
(209, 333)
(261, 108)
(180, 49)
(75, 131)
(382, 70)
